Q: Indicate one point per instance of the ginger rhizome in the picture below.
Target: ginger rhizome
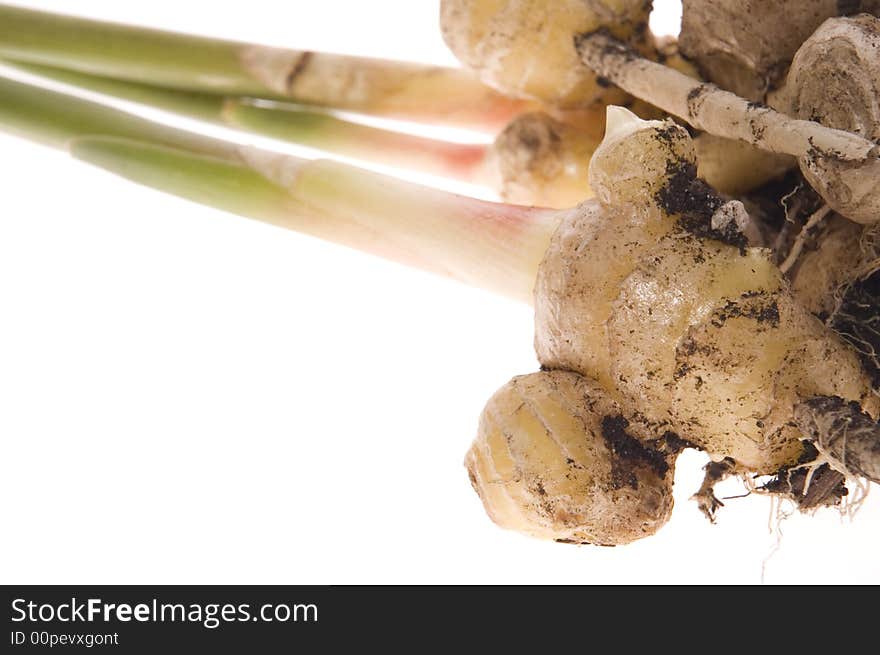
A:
(556, 459)
(841, 165)
(746, 47)
(679, 330)
(544, 161)
(523, 47)
(703, 335)
(835, 80)
(662, 319)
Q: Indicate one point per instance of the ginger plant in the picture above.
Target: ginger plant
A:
(658, 326)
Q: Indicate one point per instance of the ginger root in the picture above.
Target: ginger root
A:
(745, 47)
(524, 47)
(699, 335)
(556, 459)
(543, 161)
(650, 293)
(842, 166)
(835, 80)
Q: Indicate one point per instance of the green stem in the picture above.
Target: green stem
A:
(203, 106)
(222, 183)
(55, 118)
(373, 86)
(291, 123)
(465, 162)
(484, 244)
(127, 52)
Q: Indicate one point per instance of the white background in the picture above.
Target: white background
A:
(190, 397)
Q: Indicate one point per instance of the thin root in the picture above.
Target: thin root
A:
(801, 239)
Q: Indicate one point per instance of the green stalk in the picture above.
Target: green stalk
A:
(222, 183)
(55, 118)
(291, 123)
(465, 162)
(373, 86)
(490, 245)
(202, 106)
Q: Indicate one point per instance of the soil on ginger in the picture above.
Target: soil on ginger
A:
(695, 202)
(628, 452)
(856, 318)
